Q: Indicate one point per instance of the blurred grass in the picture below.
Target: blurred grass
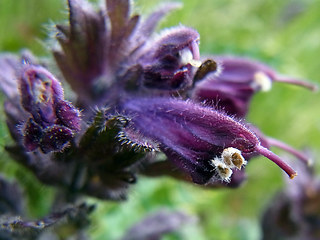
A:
(22, 23)
(284, 34)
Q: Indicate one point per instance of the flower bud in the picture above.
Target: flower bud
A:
(53, 121)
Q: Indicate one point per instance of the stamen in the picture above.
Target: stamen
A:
(263, 81)
(232, 158)
(222, 169)
(277, 160)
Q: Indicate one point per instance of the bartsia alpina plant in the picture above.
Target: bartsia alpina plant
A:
(142, 103)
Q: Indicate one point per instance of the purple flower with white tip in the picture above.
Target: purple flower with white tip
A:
(140, 94)
(238, 79)
(192, 136)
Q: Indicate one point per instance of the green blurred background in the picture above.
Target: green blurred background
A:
(285, 34)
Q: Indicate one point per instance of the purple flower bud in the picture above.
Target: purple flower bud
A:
(10, 66)
(168, 61)
(54, 121)
(240, 78)
(192, 136)
(122, 27)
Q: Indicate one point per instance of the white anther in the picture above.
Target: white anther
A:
(232, 158)
(263, 81)
(222, 169)
(186, 57)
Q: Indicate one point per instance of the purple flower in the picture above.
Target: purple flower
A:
(140, 95)
(239, 79)
(193, 136)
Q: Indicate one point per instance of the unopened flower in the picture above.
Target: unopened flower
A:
(53, 120)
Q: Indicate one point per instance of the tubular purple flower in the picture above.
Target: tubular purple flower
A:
(192, 135)
(239, 80)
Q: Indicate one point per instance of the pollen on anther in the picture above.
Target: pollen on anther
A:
(232, 158)
(224, 172)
